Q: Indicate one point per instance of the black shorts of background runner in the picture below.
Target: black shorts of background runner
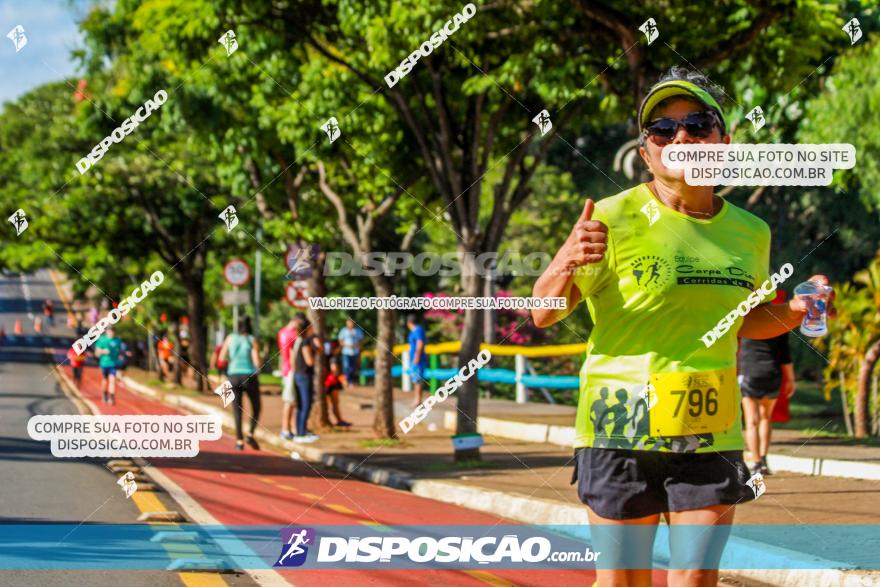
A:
(624, 484)
(250, 385)
(760, 365)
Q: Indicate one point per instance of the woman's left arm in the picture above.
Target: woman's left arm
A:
(768, 321)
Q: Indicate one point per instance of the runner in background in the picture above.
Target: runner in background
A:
(243, 353)
(108, 349)
(765, 370)
(286, 339)
(418, 358)
(76, 364)
(125, 356)
(163, 348)
(49, 313)
(350, 337)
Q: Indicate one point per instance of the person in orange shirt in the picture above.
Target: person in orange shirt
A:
(76, 363)
(164, 349)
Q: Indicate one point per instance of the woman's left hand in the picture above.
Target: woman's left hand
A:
(798, 305)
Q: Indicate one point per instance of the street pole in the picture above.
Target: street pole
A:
(235, 313)
(259, 262)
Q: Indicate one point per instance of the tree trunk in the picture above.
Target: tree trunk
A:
(861, 407)
(471, 337)
(320, 418)
(194, 283)
(846, 419)
(383, 414)
(178, 371)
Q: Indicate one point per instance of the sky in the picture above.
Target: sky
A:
(51, 30)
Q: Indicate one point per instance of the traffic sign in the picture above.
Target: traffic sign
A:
(296, 296)
(237, 272)
(239, 297)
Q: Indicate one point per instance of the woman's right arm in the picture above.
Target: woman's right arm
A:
(586, 244)
(224, 350)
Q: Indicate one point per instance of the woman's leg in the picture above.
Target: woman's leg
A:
(304, 391)
(620, 546)
(237, 404)
(751, 415)
(765, 427)
(334, 402)
(696, 540)
(253, 390)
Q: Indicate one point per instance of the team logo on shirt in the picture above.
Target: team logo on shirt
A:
(651, 272)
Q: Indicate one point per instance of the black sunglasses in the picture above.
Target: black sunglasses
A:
(697, 124)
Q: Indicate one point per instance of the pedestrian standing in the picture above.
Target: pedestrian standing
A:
(350, 337)
(418, 357)
(306, 352)
(286, 338)
(243, 353)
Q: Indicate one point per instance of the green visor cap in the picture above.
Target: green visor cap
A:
(678, 88)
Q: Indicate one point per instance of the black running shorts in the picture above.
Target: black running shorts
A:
(623, 484)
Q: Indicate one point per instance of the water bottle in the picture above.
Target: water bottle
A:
(816, 297)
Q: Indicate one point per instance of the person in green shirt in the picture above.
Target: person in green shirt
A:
(108, 349)
(658, 426)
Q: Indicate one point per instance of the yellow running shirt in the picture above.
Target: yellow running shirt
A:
(649, 382)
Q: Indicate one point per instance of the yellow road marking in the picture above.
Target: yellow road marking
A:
(311, 495)
(201, 580)
(148, 502)
(340, 508)
(287, 487)
(267, 480)
(489, 578)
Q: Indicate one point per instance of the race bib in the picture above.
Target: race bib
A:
(686, 404)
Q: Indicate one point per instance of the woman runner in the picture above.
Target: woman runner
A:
(658, 429)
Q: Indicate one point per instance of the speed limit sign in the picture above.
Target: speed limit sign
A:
(237, 272)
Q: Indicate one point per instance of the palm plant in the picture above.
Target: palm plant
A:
(853, 342)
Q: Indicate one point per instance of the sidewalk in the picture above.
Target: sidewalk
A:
(791, 450)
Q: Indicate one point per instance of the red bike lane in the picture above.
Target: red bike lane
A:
(265, 488)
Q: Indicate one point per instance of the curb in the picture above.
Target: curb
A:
(513, 506)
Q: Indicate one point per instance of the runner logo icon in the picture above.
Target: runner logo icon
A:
(18, 38)
(543, 121)
(295, 547)
(229, 42)
(651, 272)
(649, 27)
(19, 221)
(652, 211)
(854, 29)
